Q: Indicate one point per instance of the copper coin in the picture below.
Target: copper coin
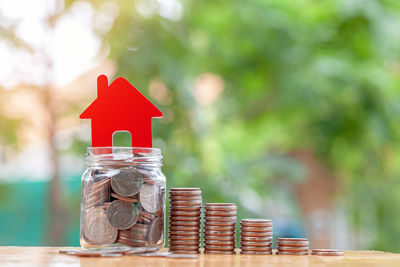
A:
(185, 208)
(256, 222)
(182, 218)
(220, 208)
(189, 192)
(122, 214)
(220, 204)
(291, 253)
(179, 233)
(256, 238)
(183, 237)
(220, 238)
(131, 242)
(218, 223)
(127, 182)
(295, 249)
(327, 252)
(155, 231)
(185, 203)
(184, 223)
(284, 239)
(101, 183)
(185, 189)
(219, 233)
(256, 252)
(256, 244)
(183, 247)
(256, 229)
(219, 248)
(210, 251)
(220, 228)
(129, 199)
(220, 213)
(252, 248)
(220, 219)
(185, 198)
(185, 213)
(220, 242)
(100, 231)
(184, 228)
(173, 242)
(150, 197)
(131, 235)
(293, 243)
(262, 234)
(185, 251)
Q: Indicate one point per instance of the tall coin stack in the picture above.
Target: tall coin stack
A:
(185, 220)
(292, 246)
(220, 228)
(256, 236)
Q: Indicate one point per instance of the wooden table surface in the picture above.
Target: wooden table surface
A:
(49, 256)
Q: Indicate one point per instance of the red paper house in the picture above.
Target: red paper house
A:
(120, 107)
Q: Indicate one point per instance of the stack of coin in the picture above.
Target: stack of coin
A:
(220, 228)
(292, 246)
(256, 236)
(185, 220)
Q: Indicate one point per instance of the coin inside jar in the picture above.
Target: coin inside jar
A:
(149, 197)
(122, 214)
(155, 231)
(100, 231)
(127, 182)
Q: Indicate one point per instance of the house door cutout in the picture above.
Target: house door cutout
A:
(122, 138)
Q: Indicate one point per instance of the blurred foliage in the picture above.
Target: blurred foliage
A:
(322, 75)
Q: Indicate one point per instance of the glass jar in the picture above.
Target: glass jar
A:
(123, 198)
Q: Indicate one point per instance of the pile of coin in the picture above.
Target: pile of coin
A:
(256, 236)
(220, 228)
(185, 220)
(126, 208)
(292, 246)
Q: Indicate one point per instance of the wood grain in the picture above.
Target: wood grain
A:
(48, 256)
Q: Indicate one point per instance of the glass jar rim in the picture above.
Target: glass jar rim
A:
(99, 149)
(134, 156)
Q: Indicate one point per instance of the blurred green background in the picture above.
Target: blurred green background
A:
(288, 108)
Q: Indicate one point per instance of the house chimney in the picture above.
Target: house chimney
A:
(102, 85)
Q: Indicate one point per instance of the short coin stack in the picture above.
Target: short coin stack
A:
(292, 246)
(185, 220)
(327, 252)
(256, 236)
(220, 228)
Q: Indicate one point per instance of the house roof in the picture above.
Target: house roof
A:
(120, 97)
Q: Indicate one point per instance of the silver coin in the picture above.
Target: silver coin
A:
(115, 249)
(134, 251)
(150, 197)
(122, 214)
(127, 182)
(156, 254)
(155, 231)
(100, 231)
